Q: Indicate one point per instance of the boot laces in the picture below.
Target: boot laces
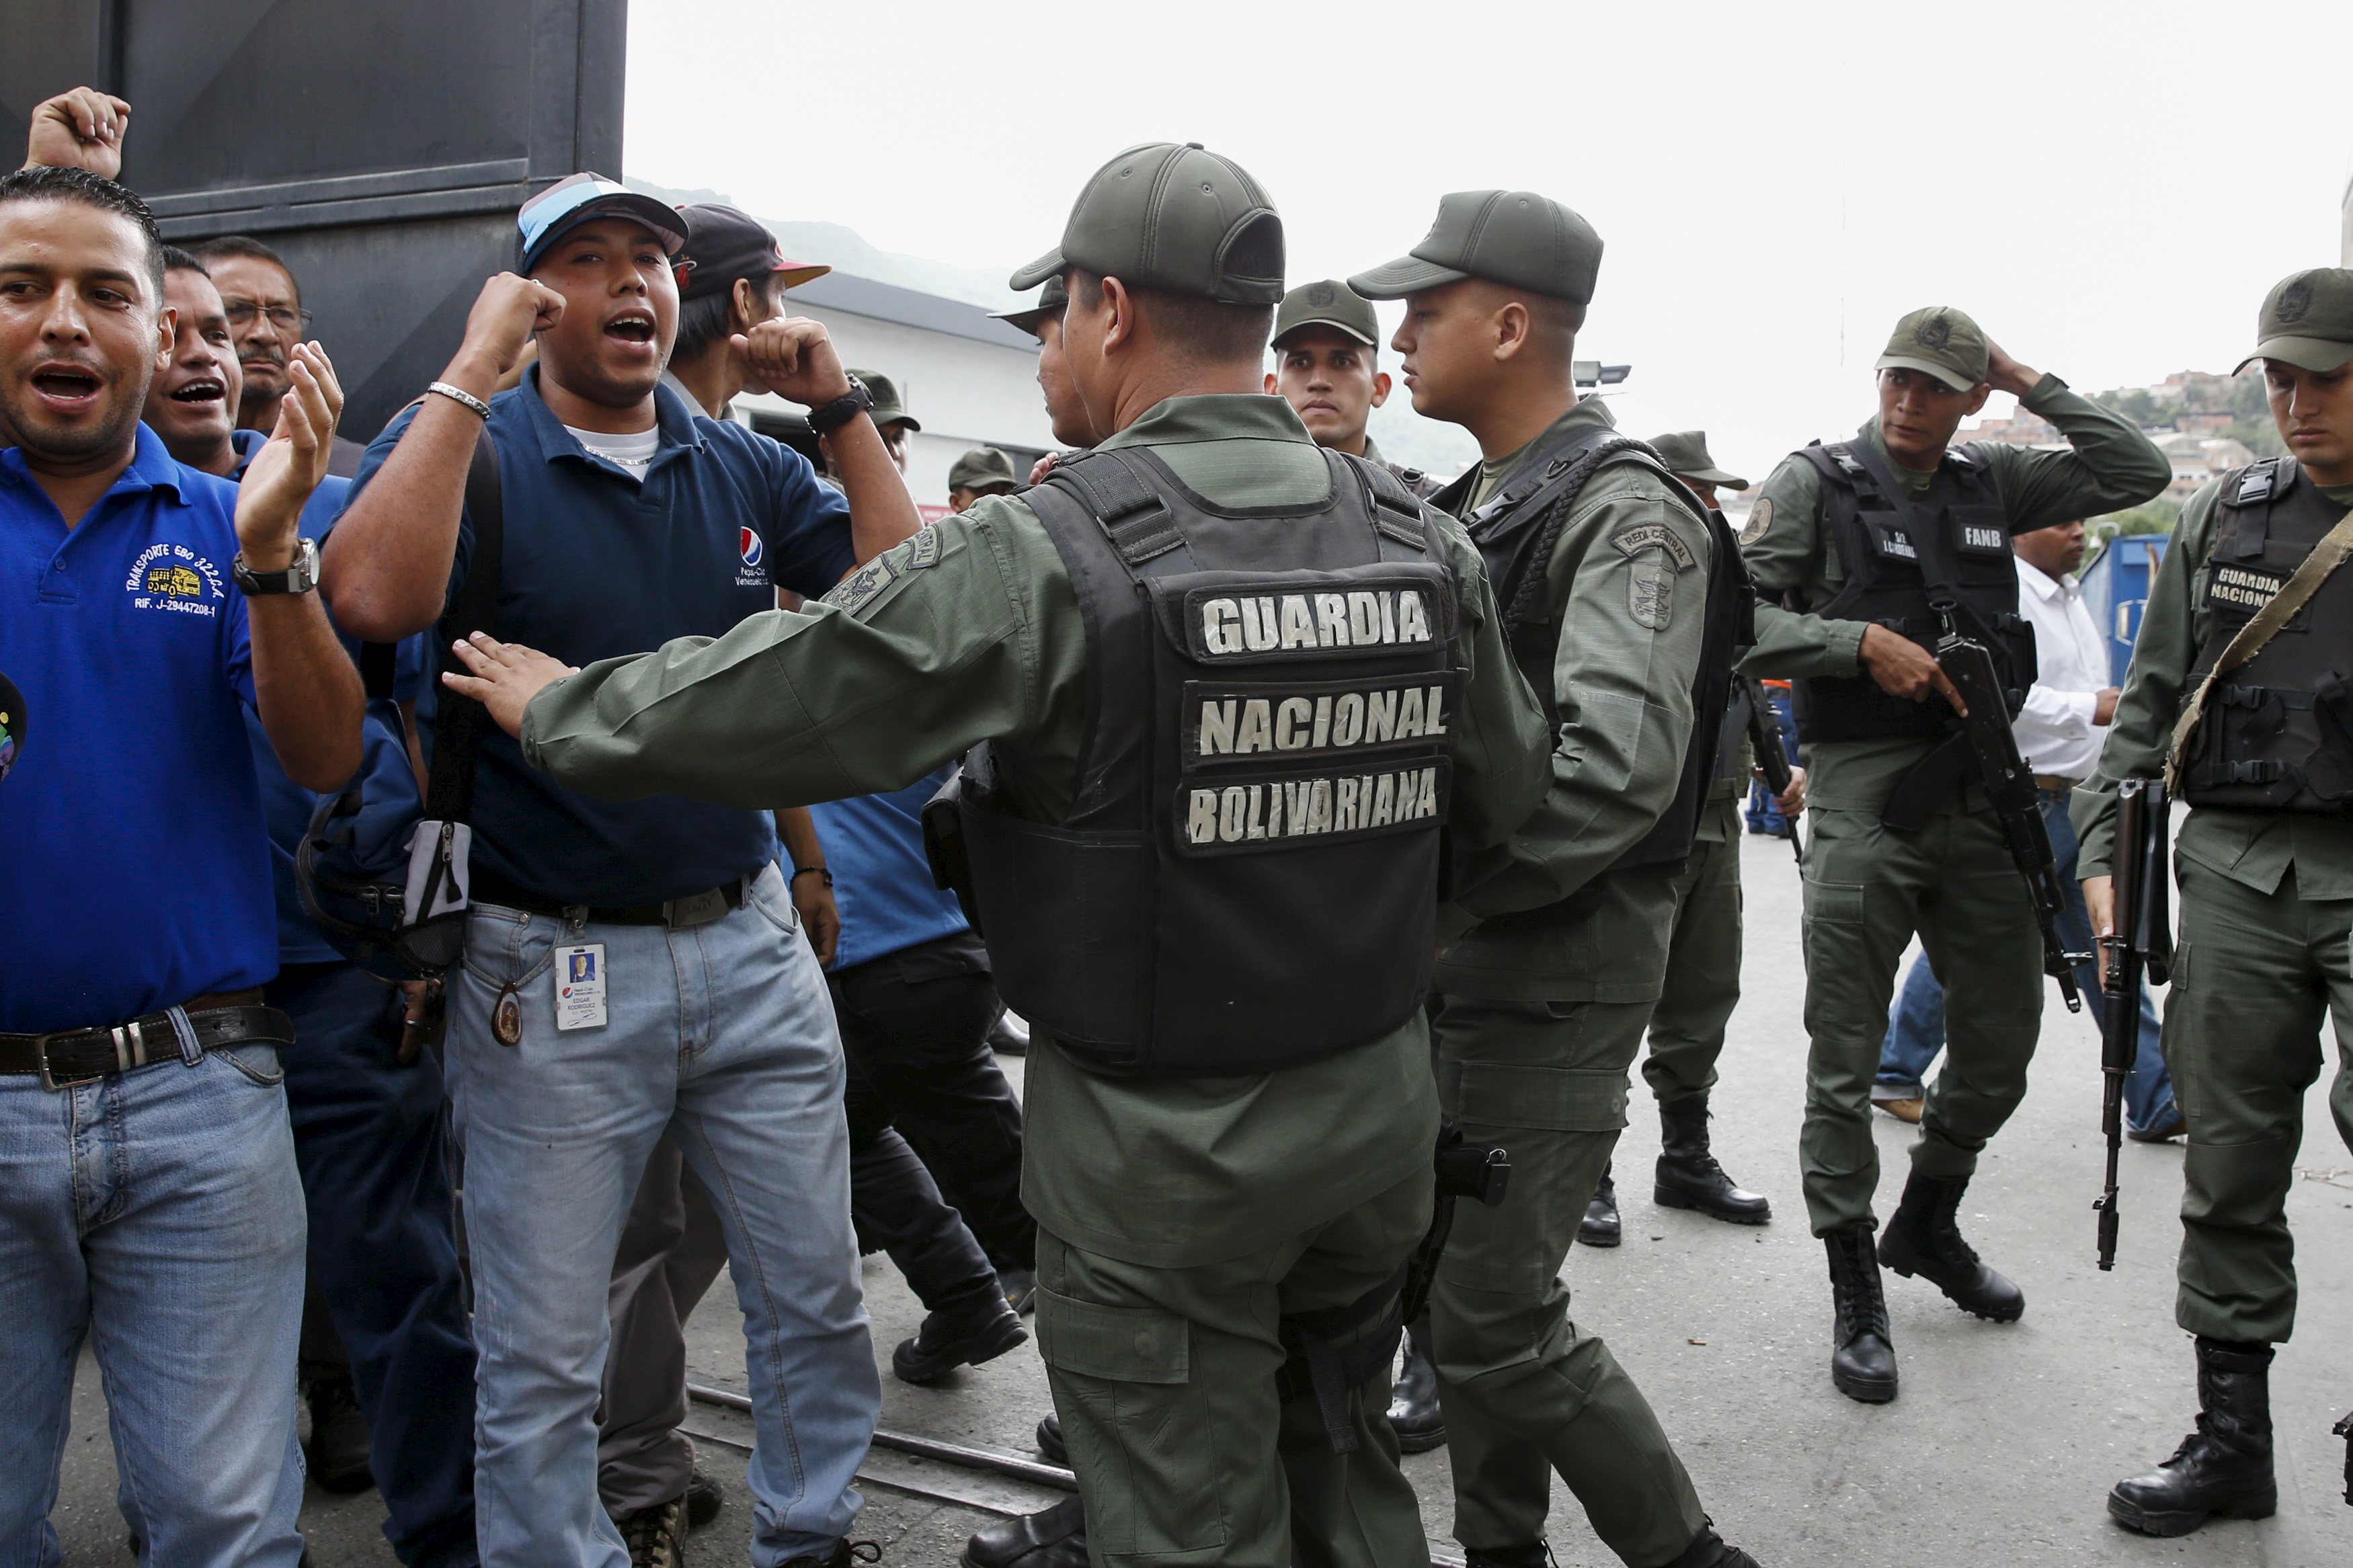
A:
(1862, 1304)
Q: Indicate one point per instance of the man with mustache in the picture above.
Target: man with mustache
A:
(632, 969)
(1855, 546)
(264, 304)
(150, 1204)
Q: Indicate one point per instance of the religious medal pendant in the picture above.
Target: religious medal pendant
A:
(506, 1016)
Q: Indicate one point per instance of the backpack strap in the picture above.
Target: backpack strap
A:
(450, 793)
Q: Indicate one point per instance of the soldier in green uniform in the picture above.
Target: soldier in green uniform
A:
(1327, 367)
(1197, 883)
(892, 420)
(1844, 564)
(983, 471)
(1703, 979)
(2266, 861)
(1609, 577)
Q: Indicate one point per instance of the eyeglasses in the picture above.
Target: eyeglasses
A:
(241, 313)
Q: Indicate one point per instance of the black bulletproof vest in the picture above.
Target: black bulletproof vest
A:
(1889, 580)
(1517, 531)
(2277, 734)
(1247, 878)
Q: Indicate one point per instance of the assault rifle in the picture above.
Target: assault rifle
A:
(1772, 761)
(2141, 943)
(2009, 787)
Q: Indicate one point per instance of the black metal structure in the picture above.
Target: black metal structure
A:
(381, 146)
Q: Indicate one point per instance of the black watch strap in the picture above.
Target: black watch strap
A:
(842, 409)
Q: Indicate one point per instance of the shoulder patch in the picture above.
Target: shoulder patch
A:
(1632, 541)
(1651, 596)
(858, 590)
(1760, 517)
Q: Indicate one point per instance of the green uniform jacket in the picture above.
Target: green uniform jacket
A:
(2256, 847)
(971, 631)
(1624, 691)
(1789, 547)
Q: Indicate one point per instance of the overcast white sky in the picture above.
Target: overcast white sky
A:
(2109, 187)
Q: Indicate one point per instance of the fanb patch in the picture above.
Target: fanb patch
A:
(1651, 596)
(859, 589)
(1760, 517)
(1632, 541)
(856, 591)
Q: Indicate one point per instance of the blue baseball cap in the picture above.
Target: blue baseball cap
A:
(574, 200)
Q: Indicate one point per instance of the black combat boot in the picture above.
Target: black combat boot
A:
(1054, 1539)
(1710, 1550)
(1924, 1239)
(1689, 1177)
(1051, 1447)
(2222, 1470)
(1535, 1554)
(1599, 1226)
(1414, 1415)
(1862, 1353)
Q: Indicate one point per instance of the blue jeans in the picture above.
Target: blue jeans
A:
(723, 1034)
(367, 1133)
(1915, 1024)
(158, 1213)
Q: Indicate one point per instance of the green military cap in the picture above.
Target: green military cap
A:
(1051, 299)
(980, 468)
(889, 407)
(1685, 454)
(1513, 237)
(1940, 340)
(1173, 216)
(1330, 303)
(2306, 321)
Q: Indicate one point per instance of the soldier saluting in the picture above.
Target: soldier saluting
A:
(1853, 547)
(1233, 688)
(2252, 723)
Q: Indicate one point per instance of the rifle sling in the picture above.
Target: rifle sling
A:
(2317, 567)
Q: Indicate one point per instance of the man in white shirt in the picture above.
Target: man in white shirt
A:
(2060, 732)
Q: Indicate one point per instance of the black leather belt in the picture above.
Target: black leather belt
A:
(64, 1057)
(487, 886)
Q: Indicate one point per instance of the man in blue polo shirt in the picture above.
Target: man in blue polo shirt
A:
(635, 967)
(366, 1113)
(149, 1199)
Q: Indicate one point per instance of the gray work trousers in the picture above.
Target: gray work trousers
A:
(671, 1251)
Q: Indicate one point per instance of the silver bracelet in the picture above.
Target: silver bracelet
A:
(460, 394)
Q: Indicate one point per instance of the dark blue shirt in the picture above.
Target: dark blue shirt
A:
(881, 877)
(287, 805)
(597, 565)
(134, 872)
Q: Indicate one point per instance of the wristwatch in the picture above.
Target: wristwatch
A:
(302, 574)
(842, 409)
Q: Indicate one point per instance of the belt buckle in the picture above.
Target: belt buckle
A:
(696, 910)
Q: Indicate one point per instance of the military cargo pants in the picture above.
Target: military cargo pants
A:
(1165, 1382)
(1527, 1391)
(2255, 976)
(1868, 888)
(1703, 979)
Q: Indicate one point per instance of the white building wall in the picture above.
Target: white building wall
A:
(963, 393)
